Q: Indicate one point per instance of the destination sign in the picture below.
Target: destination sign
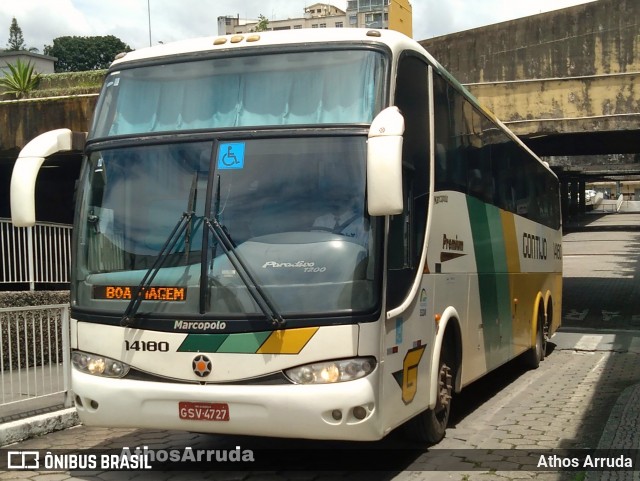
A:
(151, 293)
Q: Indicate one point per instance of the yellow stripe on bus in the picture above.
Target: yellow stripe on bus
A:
(289, 341)
(510, 241)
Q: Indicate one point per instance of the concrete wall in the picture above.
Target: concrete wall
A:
(22, 120)
(600, 37)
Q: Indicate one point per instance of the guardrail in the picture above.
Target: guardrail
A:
(38, 254)
(34, 353)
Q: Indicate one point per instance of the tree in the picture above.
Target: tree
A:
(78, 54)
(20, 80)
(16, 40)
(263, 24)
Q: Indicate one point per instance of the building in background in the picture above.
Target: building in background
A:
(41, 63)
(318, 15)
(393, 14)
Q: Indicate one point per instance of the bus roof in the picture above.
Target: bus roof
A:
(394, 40)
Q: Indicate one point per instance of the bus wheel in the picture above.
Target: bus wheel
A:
(429, 426)
(537, 353)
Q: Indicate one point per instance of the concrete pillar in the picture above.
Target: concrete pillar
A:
(564, 198)
(573, 201)
(582, 205)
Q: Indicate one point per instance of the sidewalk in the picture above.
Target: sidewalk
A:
(35, 417)
(37, 425)
(603, 222)
(31, 396)
(622, 432)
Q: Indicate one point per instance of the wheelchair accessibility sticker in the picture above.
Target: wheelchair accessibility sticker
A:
(231, 155)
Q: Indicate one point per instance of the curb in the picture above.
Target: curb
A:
(622, 431)
(15, 431)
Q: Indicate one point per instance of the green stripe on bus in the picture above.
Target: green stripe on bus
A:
(202, 342)
(493, 279)
(241, 343)
(503, 288)
(247, 343)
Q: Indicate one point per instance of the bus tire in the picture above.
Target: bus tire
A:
(429, 426)
(536, 354)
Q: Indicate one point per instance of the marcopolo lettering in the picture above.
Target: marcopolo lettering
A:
(534, 247)
(199, 325)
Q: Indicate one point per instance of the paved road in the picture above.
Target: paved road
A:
(564, 404)
(602, 279)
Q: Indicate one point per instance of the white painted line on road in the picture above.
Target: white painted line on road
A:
(576, 315)
(588, 343)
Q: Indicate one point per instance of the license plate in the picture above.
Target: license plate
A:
(202, 411)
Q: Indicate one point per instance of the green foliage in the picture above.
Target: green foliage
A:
(69, 83)
(20, 80)
(263, 24)
(33, 298)
(16, 40)
(77, 54)
(89, 79)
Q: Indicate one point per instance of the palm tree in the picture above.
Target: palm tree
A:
(20, 80)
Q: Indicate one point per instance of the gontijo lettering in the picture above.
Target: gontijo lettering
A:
(152, 293)
(534, 247)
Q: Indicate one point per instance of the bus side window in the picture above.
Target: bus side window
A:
(407, 230)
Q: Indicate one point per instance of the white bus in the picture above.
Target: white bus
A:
(313, 234)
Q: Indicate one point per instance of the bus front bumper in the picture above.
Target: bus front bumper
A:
(341, 411)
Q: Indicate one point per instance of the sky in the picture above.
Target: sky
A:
(43, 20)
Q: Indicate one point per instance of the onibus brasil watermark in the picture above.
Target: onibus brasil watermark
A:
(131, 459)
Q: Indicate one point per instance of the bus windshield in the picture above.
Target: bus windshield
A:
(303, 88)
(292, 208)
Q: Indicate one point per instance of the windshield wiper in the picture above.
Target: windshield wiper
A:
(257, 293)
(137, 295)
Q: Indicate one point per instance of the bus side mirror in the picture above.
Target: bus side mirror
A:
(27, 166)
(384, 163)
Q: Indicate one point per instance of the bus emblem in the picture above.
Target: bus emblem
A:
(201, 366)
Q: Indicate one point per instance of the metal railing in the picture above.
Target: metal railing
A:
(34, 353)
(38, 254)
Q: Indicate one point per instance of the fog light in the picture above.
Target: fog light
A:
(359, 412)
(336, 414)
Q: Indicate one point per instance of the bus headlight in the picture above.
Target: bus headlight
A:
(332, 371)
(98, 365)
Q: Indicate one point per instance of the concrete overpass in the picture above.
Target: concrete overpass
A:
(565, 81)
(588, 115)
